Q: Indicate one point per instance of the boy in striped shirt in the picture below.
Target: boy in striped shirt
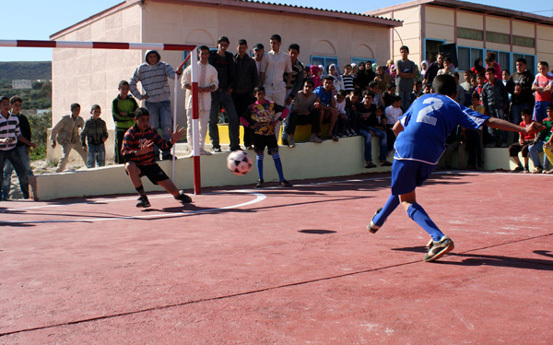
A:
(10, 134)
(138, 153)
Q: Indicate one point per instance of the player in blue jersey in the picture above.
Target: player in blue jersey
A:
(421, 134)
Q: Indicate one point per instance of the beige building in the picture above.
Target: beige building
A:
(89, 76)
(474, 29)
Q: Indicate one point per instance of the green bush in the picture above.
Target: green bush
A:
(39, 126)
(38, 153)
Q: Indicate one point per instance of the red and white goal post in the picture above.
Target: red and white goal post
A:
(139, 46)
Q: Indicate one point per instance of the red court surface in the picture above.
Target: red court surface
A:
(282, 266)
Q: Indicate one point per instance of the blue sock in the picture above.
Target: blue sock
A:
(419, 215)
(278, 166)
(260, 166)
(389, 207)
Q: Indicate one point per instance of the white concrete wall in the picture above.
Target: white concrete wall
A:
(409, 34)
(440, 23)
(91, 76)
(305, 161)
(470, 20)
(545, 44)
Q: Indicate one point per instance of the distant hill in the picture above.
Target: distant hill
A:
(26, 70)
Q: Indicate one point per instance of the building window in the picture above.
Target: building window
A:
(431, 49)
(466, 57)
(522, 41)
(470, 34)
(497, 37)
(503, 59)
(325, 61)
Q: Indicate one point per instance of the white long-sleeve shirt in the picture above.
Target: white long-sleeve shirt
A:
(207, 77)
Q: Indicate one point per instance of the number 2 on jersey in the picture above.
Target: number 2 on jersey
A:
(433, 104)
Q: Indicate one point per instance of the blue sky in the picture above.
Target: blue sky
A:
(37, 20)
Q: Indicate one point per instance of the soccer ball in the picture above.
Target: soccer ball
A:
(239, 162)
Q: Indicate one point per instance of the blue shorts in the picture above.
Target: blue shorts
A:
(408, 175)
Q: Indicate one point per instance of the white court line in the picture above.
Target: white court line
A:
(95, 201)
(108, 200)
(258, 198)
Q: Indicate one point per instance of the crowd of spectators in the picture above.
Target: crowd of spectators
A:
(361, 98)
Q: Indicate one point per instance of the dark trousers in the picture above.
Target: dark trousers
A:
(241, 102)
(515, 148)
(474, 147)
(222, 100)
(118, 143)
(313, 118)
(14, 157)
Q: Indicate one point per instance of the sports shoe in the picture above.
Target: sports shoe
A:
(370, 165)
(517, 169)
(537, 170)
(183, 197)
(385, 164)
(216, 149)
(291, 142)
(315, 139)
(259, 184)
(428, 245)
(438, 249)
(143, 201)
(372, 227)
(204, 152)
(285, 184)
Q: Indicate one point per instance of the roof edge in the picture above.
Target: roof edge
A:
(250, 4)
(470, 6)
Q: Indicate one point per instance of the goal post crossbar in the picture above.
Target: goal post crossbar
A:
(138, 46)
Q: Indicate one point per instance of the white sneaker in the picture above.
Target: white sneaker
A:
(291, 142)
(315, 139)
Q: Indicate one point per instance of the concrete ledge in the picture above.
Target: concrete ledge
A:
(306, 160)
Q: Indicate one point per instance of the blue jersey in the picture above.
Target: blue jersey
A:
(323, 95)
(428, 123)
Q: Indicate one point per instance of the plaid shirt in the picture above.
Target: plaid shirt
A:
(134, 138)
